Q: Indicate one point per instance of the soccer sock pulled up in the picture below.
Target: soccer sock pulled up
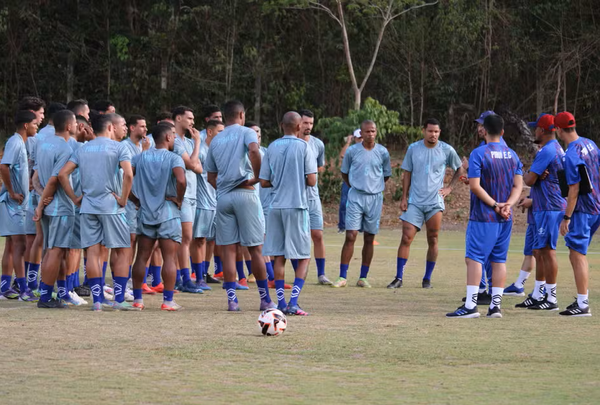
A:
(429, 266)
(185, 275)
(5, 283)
(96, 288)
(119, 286)
(364, 271)
(85, 278)
(45, 292)
(471, 300)
(582, 300)
(32, 275)
(230, 290)
(249, 266)
(263, 290)
(104, 267)
(270, 271)
(538, 290)
(22, 283)
(400, 263)
(63, 294)
(205, 266)
(344, 270)
(155, 271)
(551, 293)
(294, 264)
(198, 271)
(298, 284)
(218, 265)
(239, 266)
(320, 266)
(497, 293)
(280, 291)
(523, 276)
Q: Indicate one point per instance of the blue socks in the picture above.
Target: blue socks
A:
(230, 289)
(320, 266)
(120, 284)
(294, 264)
(239, 266)
(85, 279)
(428, 270)
(298, 284)
(145, 276)
(168, 296)
(96, 287)
(218, 265)
(249, 266)
(205, 266)
(263, 290)
(104, 267)
(155, 271)
(22, 282)
(185, 275)
(76, 281)
(198, 271)
(5, 283)
(178, 277)
(364, 270)
(46, 292)
(400, 263)
(344, 270)
(32, 275)
(270, 271)
(279, 290)
(137, 293)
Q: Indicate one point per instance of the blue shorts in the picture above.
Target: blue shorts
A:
(12, 219)
(57, 231)
(581, 229)
(315, 212)
(188, 210)
(488, 239)
(239, 218)
(288, 233)
(170, 229)
(110, 230)
(529, 239)
(363, 211)
(547, 224)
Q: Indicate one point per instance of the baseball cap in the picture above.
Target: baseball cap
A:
(564, 120)
(545, 121)
(483, 115)
(357, 133)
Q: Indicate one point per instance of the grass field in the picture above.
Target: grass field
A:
(358, 346)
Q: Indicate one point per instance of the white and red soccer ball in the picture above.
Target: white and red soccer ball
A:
(272, 322)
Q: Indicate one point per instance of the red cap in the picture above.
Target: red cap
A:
(544, 121)
(564, 120)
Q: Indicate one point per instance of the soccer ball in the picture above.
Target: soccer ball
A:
(272, 322)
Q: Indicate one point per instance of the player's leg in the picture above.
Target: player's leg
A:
(518, 287)
(19, 242)
(275, 247)
(242, 283)
(183, 256)
(155, 267)
(144, 252)
(218, 273)
(372, 206)
(367, 257)
(498, 257)
(412, 221)
(297, 236)
(227, 238)
(35, 258)
(354, 221)
(169, 249)
(433, 226)
(315, 211)
(211, 250)
(342, 208)
(198, 253)
(6, 292)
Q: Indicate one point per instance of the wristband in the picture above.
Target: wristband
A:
(567, 218)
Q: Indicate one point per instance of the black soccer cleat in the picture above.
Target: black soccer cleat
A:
(397, 283)
(83, 291)
(529, 302)
(52, 304)
(426, 283)
(494, 312)
(211, 280)
(575, 310)
(545, 305)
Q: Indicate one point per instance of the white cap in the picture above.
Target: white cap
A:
(357, 133)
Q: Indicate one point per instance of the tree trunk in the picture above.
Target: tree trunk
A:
(539, 92)
(410, 90)
(257, 93)
(557, 94)
(70, 75)
(355, 89)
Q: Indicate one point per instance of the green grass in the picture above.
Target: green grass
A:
(358, 346)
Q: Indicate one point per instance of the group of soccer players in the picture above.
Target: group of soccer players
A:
(159, 206)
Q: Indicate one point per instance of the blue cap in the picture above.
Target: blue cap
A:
(483, 115)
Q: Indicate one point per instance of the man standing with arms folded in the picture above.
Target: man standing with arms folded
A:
(289, 167)
(548, 210)
(582, 215)
(496, 182)
(233, 167)
(423, 194)
(366, 168)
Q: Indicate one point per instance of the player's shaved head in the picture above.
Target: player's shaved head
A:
(366, 122)
(290, 123)
(232, 110)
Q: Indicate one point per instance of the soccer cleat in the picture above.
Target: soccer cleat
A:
(171, 306)
(528, 303)
(83, 291)
(158, 289)
(295, 310)
(323, 280)
(463, 312)
(264, 305)
(108, 289)
(201, 284)
(282, 308)
(77, 298)
(251, 278)
(494, 312)
(125, 306)
(28, 296)
(190, 287)
(52, 304)
(147, 290)
(10, 294)
(37, 293)
(513, 290)
(219, 276)
(575, 310)
(212, 280)
(339, 283)
(271, 284)
(239, 286)
(483, 298)
(397, 283)
(97, 307)
(69, 300)
(244, 283)
(233, 306)
(363, 282)
(138, 305)
(129, 295)
(426, 283)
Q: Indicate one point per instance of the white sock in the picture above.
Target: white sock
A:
(497, 293)
(471, 301)
(538, 290)
(551, 291)
(582, 300)
(523, 276)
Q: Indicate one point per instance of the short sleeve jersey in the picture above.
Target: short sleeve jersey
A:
(99, 164)
(496, 166)
(584, 152)
(75, 177)
(367, 169)
(54, 153)
(546, 193)
(154, 182)
(228, 157)
(134, 150)
(286, 164)
(182, 146)
(206, 195)
(316, 147)
(15, 156)
(265, 194)
(428, 169)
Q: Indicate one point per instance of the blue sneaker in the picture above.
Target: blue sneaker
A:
(514, 291)
(203, 285)
(295, 310)
(463, 312)
(264, 305)
(190, 287)
(233, 306)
